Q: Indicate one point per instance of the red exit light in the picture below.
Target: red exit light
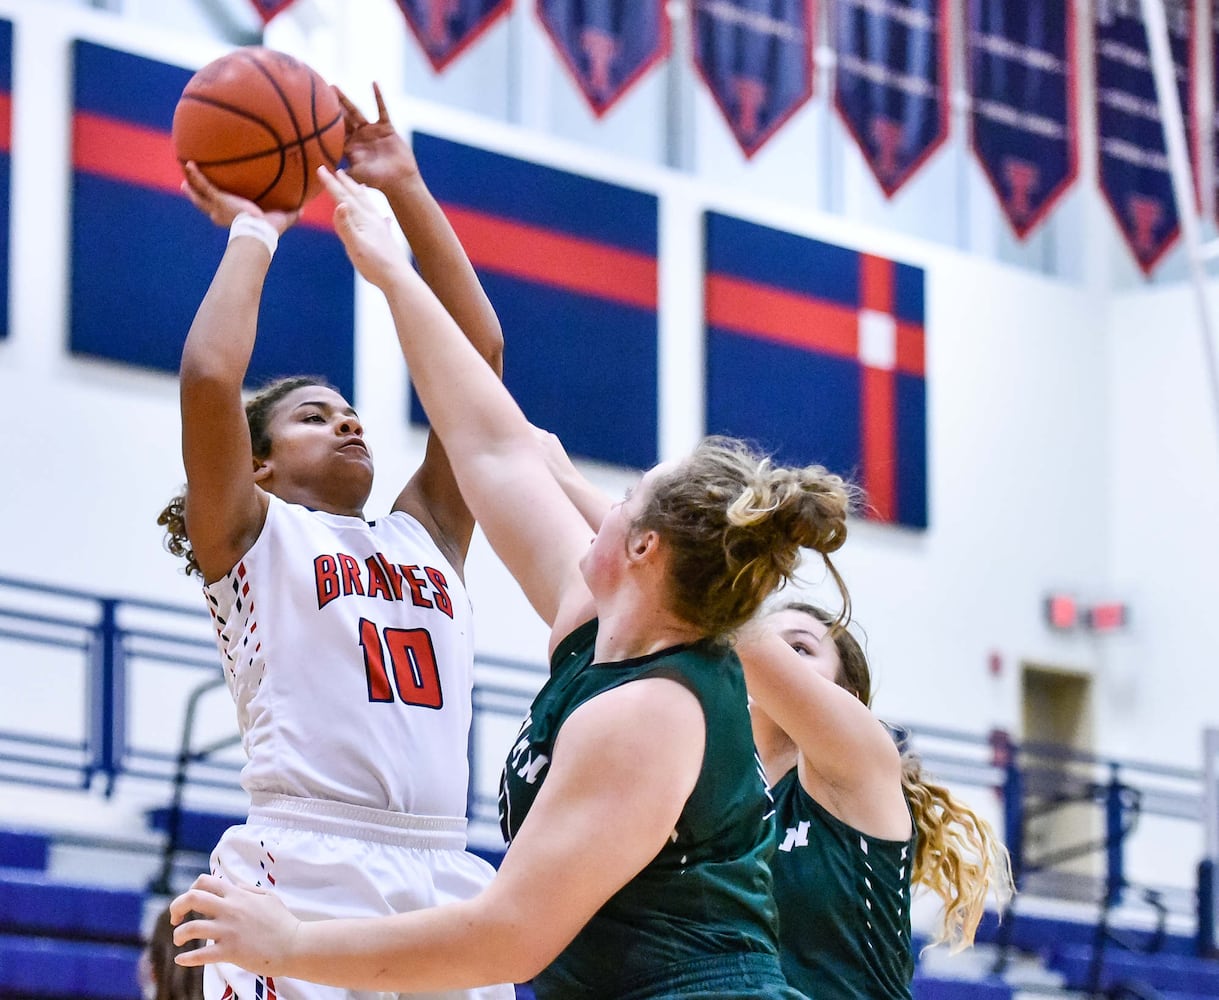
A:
(1061, 611)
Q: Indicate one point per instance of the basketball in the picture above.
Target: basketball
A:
(258, 123)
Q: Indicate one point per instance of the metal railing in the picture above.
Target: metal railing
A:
(137, 661)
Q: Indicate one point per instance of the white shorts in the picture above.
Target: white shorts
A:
(330, 859)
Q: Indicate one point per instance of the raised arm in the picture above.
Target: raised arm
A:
(849, 762)
(381, 158)
(224, 508)
(592, 504)
(533, 527)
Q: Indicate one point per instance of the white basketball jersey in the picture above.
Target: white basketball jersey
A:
(348, 649)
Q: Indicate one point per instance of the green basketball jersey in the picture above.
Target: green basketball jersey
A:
(844, 903)
(708, 892)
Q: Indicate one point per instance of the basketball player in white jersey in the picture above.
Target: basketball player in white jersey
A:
(346, 642)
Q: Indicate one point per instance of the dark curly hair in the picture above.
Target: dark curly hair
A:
(258, 411)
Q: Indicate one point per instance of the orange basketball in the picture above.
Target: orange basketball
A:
(259, 123)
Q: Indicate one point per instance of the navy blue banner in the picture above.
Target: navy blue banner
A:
(142, 256)
(446, 28)
(570, 264)
(6, 145)
(606, 44)
(267, 9)
(1133, 169)
(756, 57)
(1021, 78)
(1215, 111)
(891, 82)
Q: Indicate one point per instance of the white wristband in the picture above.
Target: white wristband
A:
(251, 225)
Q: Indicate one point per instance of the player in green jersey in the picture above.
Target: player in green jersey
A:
(856, 823)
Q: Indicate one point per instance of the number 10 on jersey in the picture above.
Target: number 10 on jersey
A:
(407, 656)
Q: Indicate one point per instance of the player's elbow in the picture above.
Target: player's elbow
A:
(523, 944)
(522, 967)
(494, 352)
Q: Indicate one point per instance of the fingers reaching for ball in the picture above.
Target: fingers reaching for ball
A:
(355, 209)
(222, 207)
(376, 154)
(217, 205)
(366, 233)
(353, 117)
(382, 111)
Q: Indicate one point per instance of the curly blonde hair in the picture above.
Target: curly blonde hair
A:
(258, 410)
(957, 854)
(735, 524)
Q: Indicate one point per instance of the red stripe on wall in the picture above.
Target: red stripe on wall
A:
(876, 284)
(911, 349)
(878, 390)
(319, 212)
(124, 152)
(782, 317)
(6, 123)
(567, 262)
(879, 439)
(107, 147)
(876, 292)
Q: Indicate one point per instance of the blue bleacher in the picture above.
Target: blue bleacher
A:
(1161, 971)
(1174, 995)
(32, 903)
(62, 941)
(19, 849)
(197, 830)
(44, 967)
(1041, 935)
(936, 988)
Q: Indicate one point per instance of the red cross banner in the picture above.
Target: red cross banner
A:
(816, 352)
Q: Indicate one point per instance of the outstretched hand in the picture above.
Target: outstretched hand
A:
(222, 207)
(366, 234)
(247, 927)
(376, 154)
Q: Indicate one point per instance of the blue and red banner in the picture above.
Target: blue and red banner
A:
(446, 28)
(816, 353)
(570, 265)
(757, 61)
(1214, 125)
(6, 149)
(267, 9)
(891, 82)
(606, 45)
(1134, 173)
(1021, 77)
(142, 256)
